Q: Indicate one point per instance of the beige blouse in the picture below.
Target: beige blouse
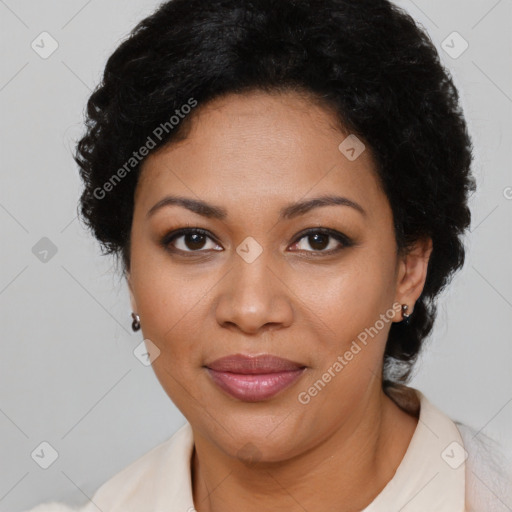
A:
(433, 476)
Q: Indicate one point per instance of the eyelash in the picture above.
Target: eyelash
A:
(339, 237)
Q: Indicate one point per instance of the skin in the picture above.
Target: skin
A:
(253, 154)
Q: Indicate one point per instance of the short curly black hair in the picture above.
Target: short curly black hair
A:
(368, 60)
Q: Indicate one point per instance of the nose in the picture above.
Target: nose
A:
(254, 297)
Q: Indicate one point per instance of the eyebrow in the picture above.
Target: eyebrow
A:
(288, 212)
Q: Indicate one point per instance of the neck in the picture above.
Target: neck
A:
(345, 472)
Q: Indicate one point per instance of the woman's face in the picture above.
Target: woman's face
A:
(253, 283)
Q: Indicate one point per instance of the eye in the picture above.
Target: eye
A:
(321, 240)
(189, 240)
(318, 240)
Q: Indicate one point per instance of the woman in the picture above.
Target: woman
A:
(276, 181)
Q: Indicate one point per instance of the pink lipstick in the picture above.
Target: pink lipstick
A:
(254, 378)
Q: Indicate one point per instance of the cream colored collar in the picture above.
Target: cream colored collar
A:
(431, 476)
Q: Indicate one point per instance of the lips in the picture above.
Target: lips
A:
(254, 378)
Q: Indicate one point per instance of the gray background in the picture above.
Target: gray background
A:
(68, 373)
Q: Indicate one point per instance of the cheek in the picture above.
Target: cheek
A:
(170, 311)
(349, 354)
(171, 314)
(164, 291)
(170, 304)
(352, 299)
(351, 296)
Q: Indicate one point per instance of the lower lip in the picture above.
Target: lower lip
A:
(254, 388)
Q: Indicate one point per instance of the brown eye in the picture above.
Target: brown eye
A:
(189, 240)
(322, 240)
(194, 241)
(318, 241)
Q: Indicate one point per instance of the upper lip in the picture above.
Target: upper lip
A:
(245, 364)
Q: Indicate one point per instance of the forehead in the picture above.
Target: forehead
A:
(258, 149)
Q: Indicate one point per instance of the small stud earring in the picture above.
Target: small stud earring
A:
(405, 316)
(136, 322)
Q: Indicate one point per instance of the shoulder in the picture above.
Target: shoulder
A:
(488, 472)
(151, 480)
(138, 485)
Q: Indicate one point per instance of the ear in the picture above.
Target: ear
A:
(412, 273)
(133, 302)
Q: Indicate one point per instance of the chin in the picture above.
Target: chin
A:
(258, 442)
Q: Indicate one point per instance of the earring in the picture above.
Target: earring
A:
(405, 316)
(136, 322)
